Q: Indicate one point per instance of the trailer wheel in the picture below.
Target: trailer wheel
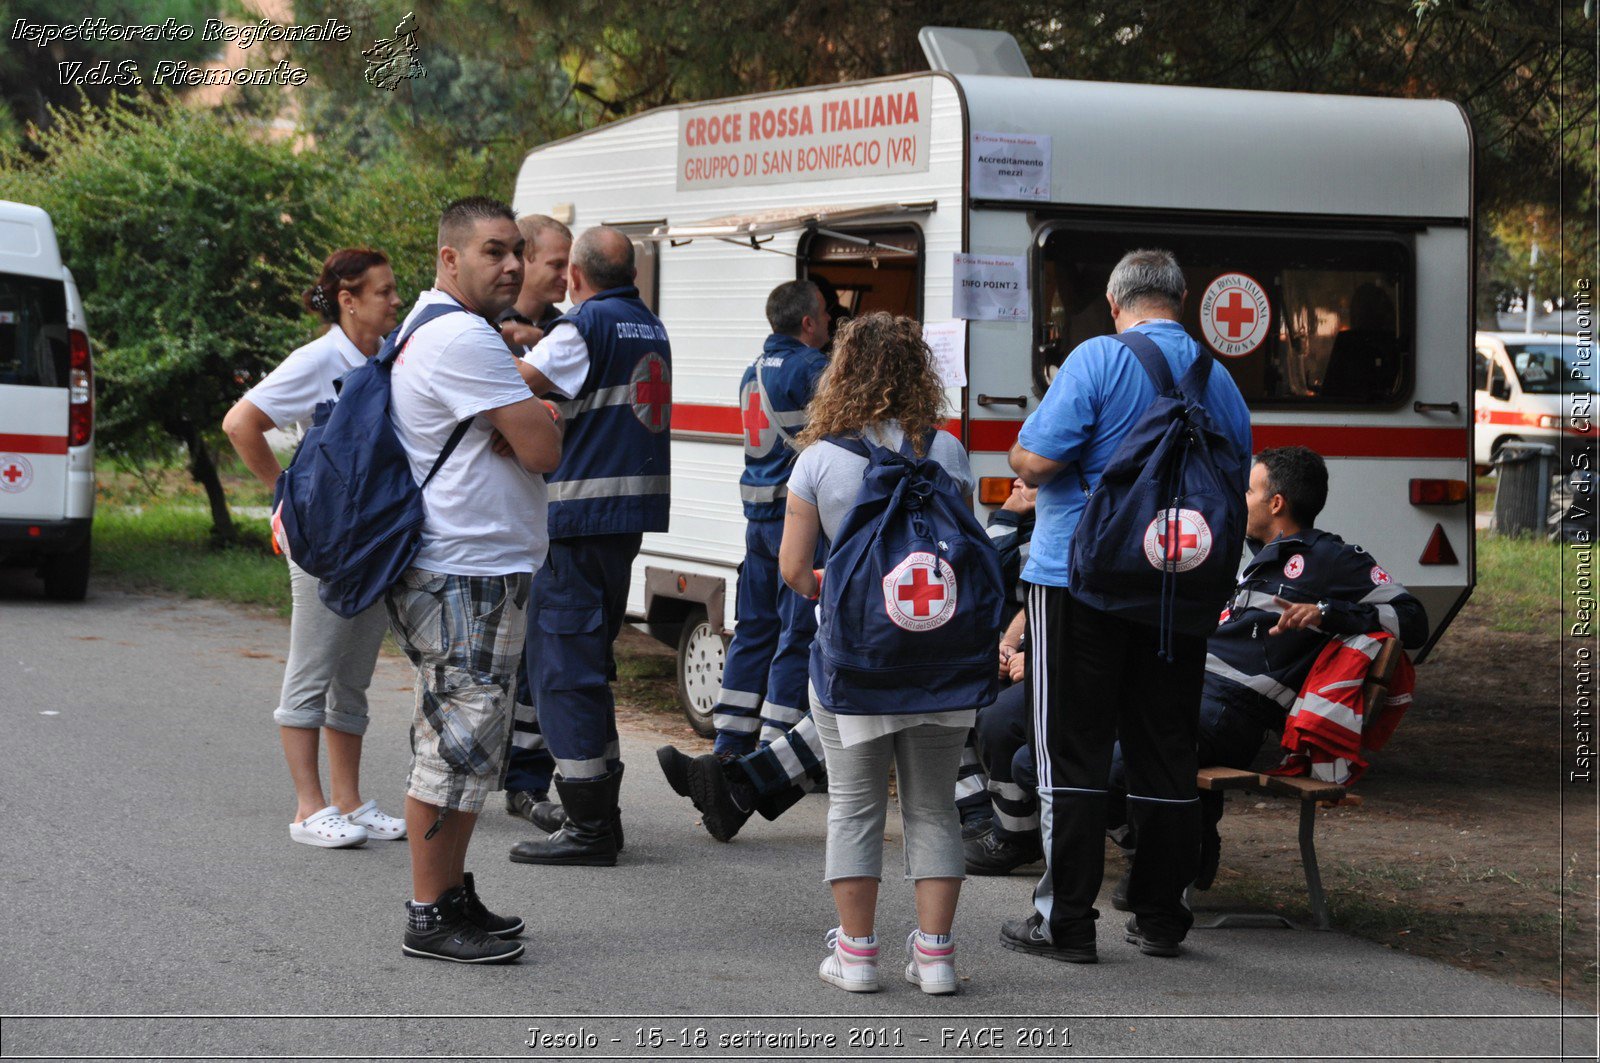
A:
(66, 576)
(701, 655)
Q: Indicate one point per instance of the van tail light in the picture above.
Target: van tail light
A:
(994, 490)
(80, 387)
(1439, 551)
(1438, 492)
(1549, 420)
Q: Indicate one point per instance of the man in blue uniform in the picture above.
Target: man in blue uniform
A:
(764, 682)
(544, 284)
(609, 359)
(1096, 676)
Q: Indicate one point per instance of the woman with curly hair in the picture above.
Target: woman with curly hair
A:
(881, 385)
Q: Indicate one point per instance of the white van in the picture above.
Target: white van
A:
(1524, 384)
(1327, 240)
(46, 408)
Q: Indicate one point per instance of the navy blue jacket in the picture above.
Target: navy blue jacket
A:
(615, 471)
(1310, 566)
(790, 371)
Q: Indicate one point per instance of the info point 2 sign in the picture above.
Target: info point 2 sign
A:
(859, 131)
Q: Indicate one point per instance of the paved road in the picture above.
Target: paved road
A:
(146, 871)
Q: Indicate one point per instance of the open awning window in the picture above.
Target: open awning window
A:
(758, 227)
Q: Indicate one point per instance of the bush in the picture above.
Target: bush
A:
(188, 234)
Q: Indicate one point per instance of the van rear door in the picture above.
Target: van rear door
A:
(35, 374)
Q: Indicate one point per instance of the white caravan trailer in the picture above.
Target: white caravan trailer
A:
(1327, 241)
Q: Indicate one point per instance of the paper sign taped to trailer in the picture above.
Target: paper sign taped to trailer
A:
(857, 131)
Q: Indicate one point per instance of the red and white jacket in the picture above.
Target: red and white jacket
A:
(1327, 736)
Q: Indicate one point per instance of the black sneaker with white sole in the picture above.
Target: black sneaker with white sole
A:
(443, 931)
(1030, 935)
(500, 926)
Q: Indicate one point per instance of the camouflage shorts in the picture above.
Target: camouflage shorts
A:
(464, 635)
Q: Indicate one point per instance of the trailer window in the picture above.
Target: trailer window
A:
(866, 279)
(1338, 309)
(646, 260)
(34, 348)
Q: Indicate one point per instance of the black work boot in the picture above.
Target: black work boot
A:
(587, 837)
(990, 854)
(537, 809)
(713, 796)
(771, 807)
(616, 804)
(675, 766)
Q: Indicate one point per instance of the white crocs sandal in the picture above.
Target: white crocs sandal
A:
(379, 824)
(328, 830)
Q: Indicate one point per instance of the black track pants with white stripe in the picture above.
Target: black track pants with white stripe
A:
(1092, 678)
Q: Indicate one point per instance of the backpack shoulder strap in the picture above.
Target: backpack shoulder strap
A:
(1150, 357)
(449, 446)
(1193, 384)
(927, 445)
(397, 339)
(854, 444)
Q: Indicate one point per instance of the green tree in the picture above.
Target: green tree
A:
(32, 84)
(187, 234)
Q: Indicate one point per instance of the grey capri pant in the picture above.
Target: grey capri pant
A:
(925, 758)
(330, 661)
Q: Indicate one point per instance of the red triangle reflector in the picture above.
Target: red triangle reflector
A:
(1438, 550)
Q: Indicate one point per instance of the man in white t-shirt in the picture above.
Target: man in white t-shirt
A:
(460, 612)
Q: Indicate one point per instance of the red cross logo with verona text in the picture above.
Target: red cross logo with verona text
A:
(12, 473)
(755, 420)
(1235, 314)
(920, 593)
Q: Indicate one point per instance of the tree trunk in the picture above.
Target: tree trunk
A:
(204, 470)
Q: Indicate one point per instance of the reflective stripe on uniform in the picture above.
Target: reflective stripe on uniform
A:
(620, 395)
(609, 487)
(734, 724)
(1264, 685)
(770, 493)
(741, 699)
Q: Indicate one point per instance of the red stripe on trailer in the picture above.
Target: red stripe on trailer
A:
(1349, 441)
(1331, 441)
(18, 444)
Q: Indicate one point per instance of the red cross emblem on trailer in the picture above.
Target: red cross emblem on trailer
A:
(755, 421)
(1235, 315)
(15, 474)
(652, 392)
(1179, 544)
(919, 593)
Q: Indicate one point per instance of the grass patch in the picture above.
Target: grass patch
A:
(1519, 583)
(167, 548)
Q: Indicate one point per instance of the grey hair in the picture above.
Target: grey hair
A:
(790, 304)
(534, 226)
(1147, 276)
(605, 256)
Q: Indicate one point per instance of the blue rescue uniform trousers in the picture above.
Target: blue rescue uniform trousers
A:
(764, 681)
(575, 612)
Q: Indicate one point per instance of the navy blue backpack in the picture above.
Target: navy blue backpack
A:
(352, 512)
(911, 596)
(1160, 538)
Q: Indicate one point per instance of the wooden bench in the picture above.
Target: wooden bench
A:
(1309, 792)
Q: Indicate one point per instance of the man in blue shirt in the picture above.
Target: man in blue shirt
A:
(1094, 677)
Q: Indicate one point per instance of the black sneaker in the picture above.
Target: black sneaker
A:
(972, 828)
(442, 931)
(500, 926)
(675, 766)
(990, 854)
(1031, 936)
(713, 796)
(1151, 944)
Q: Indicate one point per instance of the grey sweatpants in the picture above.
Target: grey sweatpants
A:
(925, 760)
(330, 661)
